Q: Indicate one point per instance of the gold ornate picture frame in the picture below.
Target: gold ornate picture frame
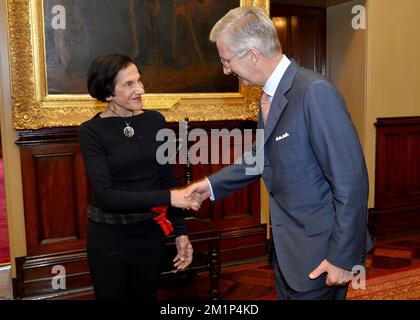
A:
(34, 108)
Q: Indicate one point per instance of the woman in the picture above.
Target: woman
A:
(131, 206)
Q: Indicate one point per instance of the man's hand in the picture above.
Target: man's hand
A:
(335, 277)
(180, 200)
(200, 187)
(185, 252)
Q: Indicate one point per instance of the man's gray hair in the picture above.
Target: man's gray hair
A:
(247, 27)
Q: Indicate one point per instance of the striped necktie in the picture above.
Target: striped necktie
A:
(265, 106)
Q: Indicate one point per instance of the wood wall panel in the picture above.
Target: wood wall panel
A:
(397, 179)
(58, 219)
(413, 156)
(397, 162)
(55, 195)
(391, 178)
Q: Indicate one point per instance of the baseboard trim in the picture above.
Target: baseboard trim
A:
(66, 293)
(244, 261)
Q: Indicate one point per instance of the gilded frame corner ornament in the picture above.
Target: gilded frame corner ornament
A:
(33, 108)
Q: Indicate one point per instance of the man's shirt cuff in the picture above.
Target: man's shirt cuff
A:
(211, 190)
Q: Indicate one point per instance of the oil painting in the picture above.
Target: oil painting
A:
(168, 39)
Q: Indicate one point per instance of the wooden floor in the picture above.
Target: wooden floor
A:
(256, 281)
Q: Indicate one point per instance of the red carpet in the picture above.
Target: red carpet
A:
(401, 285)
(4, 238)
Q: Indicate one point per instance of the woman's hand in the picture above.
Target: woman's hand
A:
(185, 252)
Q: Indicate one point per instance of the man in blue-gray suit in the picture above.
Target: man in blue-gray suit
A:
(313, 164)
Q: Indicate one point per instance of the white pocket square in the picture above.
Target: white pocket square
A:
(284, 136)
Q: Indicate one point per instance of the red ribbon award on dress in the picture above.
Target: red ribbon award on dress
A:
(164, 223)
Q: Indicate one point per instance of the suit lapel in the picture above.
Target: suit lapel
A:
(279, 101)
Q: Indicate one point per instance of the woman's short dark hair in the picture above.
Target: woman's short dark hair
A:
(102, 73)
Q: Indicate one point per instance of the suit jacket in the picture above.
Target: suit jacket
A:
(315, 173)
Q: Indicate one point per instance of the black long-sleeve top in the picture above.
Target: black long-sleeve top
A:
(123, 172)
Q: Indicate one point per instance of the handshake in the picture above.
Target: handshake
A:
(191, 196)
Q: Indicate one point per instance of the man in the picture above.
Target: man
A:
(313, 167)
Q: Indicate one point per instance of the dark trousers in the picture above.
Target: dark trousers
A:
(125, 261)
(285, 292)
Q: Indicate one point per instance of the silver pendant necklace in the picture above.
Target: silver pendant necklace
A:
(128, 130)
